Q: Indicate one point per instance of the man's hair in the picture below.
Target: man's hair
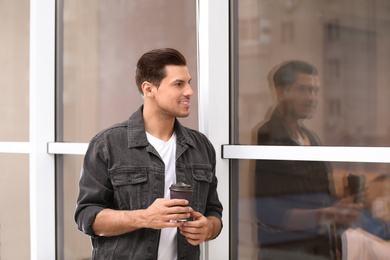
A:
(287, 73)
(151, 66)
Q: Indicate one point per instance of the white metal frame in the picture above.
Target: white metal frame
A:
(213, 91)
(42, 129)
(14, 147)
(67, 148)
(308, 153)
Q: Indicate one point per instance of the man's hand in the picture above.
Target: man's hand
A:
(200, 229)
(162, 211)
(343, 213)
(158, 215)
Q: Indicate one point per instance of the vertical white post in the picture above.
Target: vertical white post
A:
(213, 71)
(42, 107)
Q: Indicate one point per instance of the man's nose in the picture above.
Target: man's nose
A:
(312, 93)
(189, 92)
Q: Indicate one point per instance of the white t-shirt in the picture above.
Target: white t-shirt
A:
(167, 249)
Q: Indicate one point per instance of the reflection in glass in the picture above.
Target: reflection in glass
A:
(348, 41)
(301, 209)
(14, 67)
(14, 207)
(266, 225)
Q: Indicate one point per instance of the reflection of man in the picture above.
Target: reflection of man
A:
(293, 196)
(124, 202)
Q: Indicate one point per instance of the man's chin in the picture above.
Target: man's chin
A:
(183, 115)
(307, 116)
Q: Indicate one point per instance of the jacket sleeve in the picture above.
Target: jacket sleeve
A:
(95, 189)
(214, 206)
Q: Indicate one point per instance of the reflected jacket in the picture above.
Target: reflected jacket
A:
(123, 171)
(282, 185)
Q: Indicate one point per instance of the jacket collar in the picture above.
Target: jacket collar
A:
(284, 132)
(136, 131)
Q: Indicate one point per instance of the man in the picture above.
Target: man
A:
(124, 202)
(296, 202)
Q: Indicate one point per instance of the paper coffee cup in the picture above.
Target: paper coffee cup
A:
(181, 191)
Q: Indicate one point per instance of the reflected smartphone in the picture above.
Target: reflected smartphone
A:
(356, 183)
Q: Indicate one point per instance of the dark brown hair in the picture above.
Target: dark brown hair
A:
(287, 73)
(151, 66)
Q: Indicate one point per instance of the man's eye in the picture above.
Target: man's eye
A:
(303, 89)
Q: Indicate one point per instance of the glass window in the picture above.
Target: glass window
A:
(310, 73)
(73, 243)
(14, 207)
(14, 67)
(348, 43)
(305, 209)
(101, 44)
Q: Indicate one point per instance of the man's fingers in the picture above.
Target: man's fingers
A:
(176, 202)
(194, 242)
(195, 214)
(193, 235)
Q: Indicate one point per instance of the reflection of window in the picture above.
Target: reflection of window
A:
(248, 30)
(334, 107)
(264, 30)
(332, 32)
(287, 32)
(333, 68)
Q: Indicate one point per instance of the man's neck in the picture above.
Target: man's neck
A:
(157, 125)
(292, 122)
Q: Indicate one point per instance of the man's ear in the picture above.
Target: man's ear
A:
(147, 88)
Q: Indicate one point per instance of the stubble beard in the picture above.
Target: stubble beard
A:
(172, 113)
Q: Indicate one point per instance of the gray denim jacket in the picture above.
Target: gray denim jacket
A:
(121, 170)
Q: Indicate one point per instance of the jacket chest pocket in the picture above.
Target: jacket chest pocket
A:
(130, 188)
(200, 177)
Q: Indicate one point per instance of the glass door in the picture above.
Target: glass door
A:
(98, 45)
(310, 138)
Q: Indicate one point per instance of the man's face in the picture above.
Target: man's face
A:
(301, 98)
(172, 97)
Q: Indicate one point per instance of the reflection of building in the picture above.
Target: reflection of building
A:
(354, 83)
(347, 40)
